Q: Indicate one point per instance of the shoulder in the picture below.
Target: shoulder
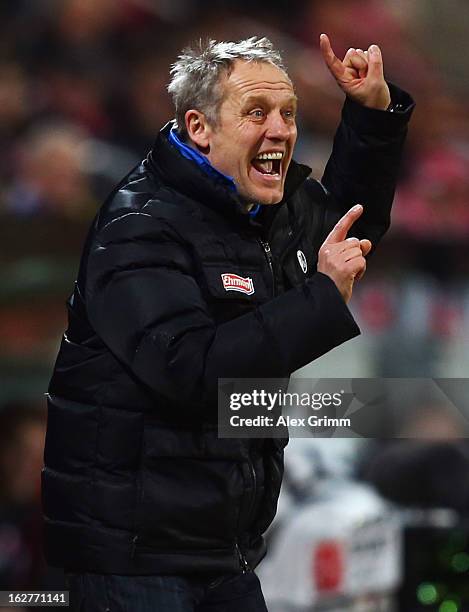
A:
(139, 205)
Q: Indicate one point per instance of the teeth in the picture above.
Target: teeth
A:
(270, 156)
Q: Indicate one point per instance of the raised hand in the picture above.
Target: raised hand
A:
(342, 258)
(360, 74)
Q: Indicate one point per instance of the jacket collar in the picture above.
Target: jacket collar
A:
(214, 189)
(190, 153)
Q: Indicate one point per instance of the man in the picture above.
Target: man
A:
(206, 262)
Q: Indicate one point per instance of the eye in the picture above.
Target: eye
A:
(289, 114)
(257, 113)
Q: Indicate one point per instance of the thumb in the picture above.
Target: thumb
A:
(340, 230)
(375, 63)
(365, 246)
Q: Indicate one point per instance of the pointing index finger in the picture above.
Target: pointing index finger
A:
(340, 230)
(334, 64)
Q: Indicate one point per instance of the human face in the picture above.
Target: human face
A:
(256, 117)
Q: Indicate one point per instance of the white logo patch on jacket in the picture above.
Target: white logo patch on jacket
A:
(302, 261)
(234, 282)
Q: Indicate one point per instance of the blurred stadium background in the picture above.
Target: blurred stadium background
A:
(82, 96)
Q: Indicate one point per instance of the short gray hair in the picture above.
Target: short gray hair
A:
(195, 76)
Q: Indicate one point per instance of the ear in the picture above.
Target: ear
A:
(198, 129)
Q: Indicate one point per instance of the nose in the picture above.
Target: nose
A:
(278, 128)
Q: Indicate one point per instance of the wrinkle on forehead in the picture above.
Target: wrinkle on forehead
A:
(243, 79)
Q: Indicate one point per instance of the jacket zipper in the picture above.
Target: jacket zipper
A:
(254, 486)
(270, 260)
(243, 563)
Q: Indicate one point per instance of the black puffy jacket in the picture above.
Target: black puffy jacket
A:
(136, 480)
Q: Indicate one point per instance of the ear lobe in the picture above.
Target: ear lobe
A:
(198, 129)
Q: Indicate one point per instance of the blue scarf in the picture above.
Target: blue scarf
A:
(203, 163)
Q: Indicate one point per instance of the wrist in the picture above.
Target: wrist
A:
(382, 104)
(382, 100)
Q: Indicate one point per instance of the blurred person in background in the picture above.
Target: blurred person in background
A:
(50, 178)
(424, 471)
(427, 465)
(15, 110)
(202, 264)
(60, 171)
(22, 432)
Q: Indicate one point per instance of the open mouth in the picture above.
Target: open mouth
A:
(269, 164)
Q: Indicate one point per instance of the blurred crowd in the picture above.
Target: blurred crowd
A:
(82, 96)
